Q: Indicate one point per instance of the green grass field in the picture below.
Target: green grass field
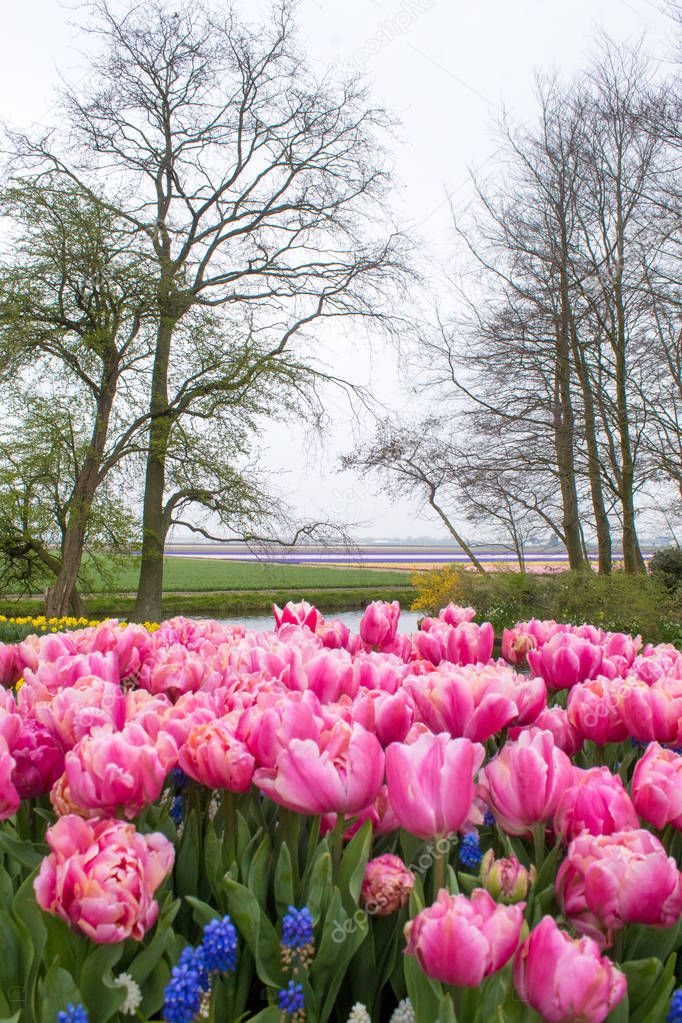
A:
(197, 586)
(201, 575)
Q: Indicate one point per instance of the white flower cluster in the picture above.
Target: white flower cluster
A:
(404, 1013)
(133, 994)
(359, 1014)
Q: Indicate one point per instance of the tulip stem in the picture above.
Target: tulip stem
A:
(619, 946)
(667, 838)
(337, 843)
(229, 827)
(539, 845)
(439, 865)
(290, 822)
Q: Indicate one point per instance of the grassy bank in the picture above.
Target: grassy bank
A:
(222, 589)
(620, 603)
(229, 604)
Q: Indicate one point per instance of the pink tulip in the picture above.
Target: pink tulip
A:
(269, 725)
(379, 812)
(339, 773)
(379, 623)
(130, 643)
(462, 941)
(87, 704)
(63, 804)
(525, 781)
(621, 649)
(65, 670)
(9, 797)
(124, 770)
(190, 711)
(596, 802)
(469, 643)
(10, 725)
(565, 660)
(594, 710)
(334, 634)
(389, 716)
(175, 670)
(431, 783)
(329, 674)
(657, 787)
(446, 701)
(428, 646)
(516, 643)
(527, 636)
(10, 666)
(556, 721)
(454, 614)
(39, 760)
(380, 671)
(565, 980)
(608, 881)
(506, 879)
(48, 648)
(655, 662)
(386, 885)
(100, 877)
(653, 713)
(149, 711)
(215, 758)
(297, 614)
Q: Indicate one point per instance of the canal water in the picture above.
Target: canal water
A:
(262, 623)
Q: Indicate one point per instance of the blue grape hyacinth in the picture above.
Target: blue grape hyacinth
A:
(292, 1003)
(470, 851)
(298, 939)
(186, 988)
(220, 945)
(73, 1014)
(297, 928)
(675, 1014)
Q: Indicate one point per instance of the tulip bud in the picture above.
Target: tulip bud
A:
(387, 885)
(506, 880)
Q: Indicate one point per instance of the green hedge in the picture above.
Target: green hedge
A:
(620, 603)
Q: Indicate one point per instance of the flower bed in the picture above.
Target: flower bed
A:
(200, 822)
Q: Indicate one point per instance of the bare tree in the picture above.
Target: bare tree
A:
(416, 461)
(569, 342)
(253, 189)
(74, 306)
(618, 227)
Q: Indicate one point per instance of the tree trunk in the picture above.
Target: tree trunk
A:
(150, 588)
(564, 419)
(601, 519)
(455, 535)
(564, 438)
(633, 561)
(62, 594)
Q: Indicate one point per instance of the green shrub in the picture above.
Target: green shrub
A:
(666, 566)
(619, 603)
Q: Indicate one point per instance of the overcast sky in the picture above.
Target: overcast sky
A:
(446, 69)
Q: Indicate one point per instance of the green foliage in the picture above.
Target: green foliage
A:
(620, 602)
(666, 567)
